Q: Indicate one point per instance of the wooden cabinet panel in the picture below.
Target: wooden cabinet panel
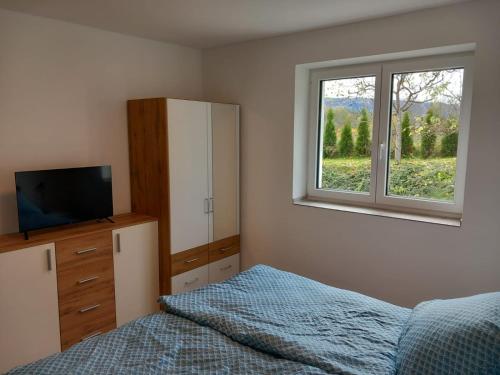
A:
(29, 318)
(223, 248)
(136, 271)
(189, 259)
(225, 170)
(188, 127)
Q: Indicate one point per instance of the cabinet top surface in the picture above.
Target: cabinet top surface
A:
(180, 99)
(16, 241)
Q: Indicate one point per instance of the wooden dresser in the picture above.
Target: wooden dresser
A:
(86, 287)
(66, 285)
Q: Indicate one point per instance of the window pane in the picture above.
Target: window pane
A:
(346, 123)
(425, 112)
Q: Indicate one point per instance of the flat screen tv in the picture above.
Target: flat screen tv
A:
(63, 196)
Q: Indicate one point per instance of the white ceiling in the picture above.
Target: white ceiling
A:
(210, 23)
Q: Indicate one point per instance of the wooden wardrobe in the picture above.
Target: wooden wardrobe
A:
(184, 169)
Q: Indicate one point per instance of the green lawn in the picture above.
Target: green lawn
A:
(426, 178)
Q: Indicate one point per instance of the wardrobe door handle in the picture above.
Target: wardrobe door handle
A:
(206, 206)
(93, 307)
(191, 260)
(224, 249)
(84, 251)
(211, 205)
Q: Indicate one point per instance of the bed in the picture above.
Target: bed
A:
(266, 321)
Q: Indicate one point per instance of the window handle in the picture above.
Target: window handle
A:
(381, 151)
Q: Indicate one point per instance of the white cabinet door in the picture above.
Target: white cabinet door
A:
(188, 127)
(223, 269)
(225, 170)
(29, 312)
(135, 258)
(190, 280)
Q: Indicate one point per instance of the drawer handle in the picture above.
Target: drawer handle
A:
(88, 279)
(80, 252)
(224, 249)
(191, 282)
(93, 307)
(91, 336)
(225, 268)
(191, 260)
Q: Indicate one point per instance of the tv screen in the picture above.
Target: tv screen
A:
(63, 196)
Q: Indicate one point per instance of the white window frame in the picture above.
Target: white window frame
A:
(377, 196)
(316, 133)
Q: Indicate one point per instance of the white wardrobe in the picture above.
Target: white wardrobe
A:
(200, 219)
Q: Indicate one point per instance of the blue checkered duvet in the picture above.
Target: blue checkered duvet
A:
(292, 317)
(163, 344)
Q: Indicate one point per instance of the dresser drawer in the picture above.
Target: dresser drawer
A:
(223, 269)
(189, 259)
(83, 250)
(89, 277)
(84, 332)
(85, 314)
(224, 248)
(190, 280)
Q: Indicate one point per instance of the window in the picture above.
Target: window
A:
(391, 135)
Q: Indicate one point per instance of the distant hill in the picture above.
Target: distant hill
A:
(355, 105)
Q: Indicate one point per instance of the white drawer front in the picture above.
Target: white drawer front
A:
(190, 280)
(224, 268)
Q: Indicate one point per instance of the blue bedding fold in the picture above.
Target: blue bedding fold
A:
(163, 344)
(299, 319)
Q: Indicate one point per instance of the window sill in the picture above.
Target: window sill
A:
(453, 222)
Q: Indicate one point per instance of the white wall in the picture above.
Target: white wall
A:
(400, 261)
(63, 92)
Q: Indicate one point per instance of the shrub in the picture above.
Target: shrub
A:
(449, 144)
(406, 138)
(363, 139)
(346, 146)
(428, 142)
(329, 136)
